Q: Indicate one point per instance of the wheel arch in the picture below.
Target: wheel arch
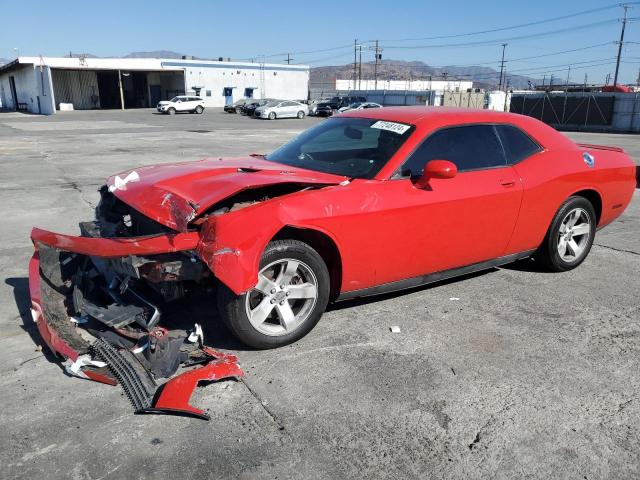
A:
(594, 197)
(324, 244)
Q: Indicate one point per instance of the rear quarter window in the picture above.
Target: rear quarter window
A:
(517, 144)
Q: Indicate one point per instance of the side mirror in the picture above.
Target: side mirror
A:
(437, 169)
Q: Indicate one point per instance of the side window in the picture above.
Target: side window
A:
(470, 147)
(517, 144)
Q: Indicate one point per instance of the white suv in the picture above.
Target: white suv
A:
(181, 103)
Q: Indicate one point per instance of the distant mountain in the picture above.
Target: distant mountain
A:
(483, 77)
(156, 54)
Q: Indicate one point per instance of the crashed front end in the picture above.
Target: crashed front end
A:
(98, 302)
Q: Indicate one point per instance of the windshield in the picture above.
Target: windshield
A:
(355, 105)
(353, 147)
(272, 104)
(175, 99)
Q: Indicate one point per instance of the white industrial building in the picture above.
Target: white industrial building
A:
(420, 85)
(41, 84)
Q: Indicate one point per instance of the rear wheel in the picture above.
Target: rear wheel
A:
(570, 236)
(171, 111)
(289, 298)
(199, 109)
(300, 114)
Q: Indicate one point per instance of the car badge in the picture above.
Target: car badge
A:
(589, 159)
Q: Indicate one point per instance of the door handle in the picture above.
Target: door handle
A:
(507, 183)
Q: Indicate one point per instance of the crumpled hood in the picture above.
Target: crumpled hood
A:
(175, 194)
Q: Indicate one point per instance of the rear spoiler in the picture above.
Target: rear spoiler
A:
(588, 146)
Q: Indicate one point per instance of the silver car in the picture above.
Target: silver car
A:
(282, 109)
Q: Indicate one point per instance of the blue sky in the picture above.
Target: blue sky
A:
(241, 30)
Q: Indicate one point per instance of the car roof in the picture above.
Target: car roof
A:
(421, 115)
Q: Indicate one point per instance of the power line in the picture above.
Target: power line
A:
(510, 39)
(512, 27)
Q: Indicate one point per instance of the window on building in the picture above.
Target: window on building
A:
(470, 147)
(208, 92)
(517, 144)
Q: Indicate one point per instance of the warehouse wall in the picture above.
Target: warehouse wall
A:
(26, 87)
(78, 87)
(281, 82)
(33, 88)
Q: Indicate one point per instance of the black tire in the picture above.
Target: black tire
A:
(300, 114)
(171, 111)
(272, 116)
(233, 308)
(548, 254)
(238, 110)
(199, 109)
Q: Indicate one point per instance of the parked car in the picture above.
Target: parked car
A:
(250, 108)
(326, 109)
(359, 106)
(370, 201)
(181, 103)
(237, 106)
(282, 109)
(313, 105)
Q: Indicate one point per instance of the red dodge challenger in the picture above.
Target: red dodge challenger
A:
(367, 202)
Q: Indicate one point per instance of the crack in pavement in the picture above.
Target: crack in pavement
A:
(264, 405)
(622, 250)
(492, 419)
(71, 183)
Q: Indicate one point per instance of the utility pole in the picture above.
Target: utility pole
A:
(606, 80)
(355, 62)
(504, 45)
(375, 67)
(568, 74)
(289, 59)
(121, 90)
(624, 24)
(544, 77)
(360, 68)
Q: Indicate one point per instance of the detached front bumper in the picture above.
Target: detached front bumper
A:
(51, 291)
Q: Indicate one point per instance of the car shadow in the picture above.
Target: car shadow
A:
(22, 298)
(526, 265)
(356, 302)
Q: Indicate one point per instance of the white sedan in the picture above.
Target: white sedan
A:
(181, 103)
(282, 109)
(360, 106)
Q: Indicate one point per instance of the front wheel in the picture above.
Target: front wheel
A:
(290, 296)
(171, 111)
(300, 114)
(272, 116)
(199, 109)
(570, 236)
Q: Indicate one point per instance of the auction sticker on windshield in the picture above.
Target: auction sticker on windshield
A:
(398, 128)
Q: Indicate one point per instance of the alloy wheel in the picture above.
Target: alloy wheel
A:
(283, 298)
(574, 234)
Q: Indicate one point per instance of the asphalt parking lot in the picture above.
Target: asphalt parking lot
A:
(509, 373)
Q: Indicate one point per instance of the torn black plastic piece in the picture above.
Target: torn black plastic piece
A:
(136, 382)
